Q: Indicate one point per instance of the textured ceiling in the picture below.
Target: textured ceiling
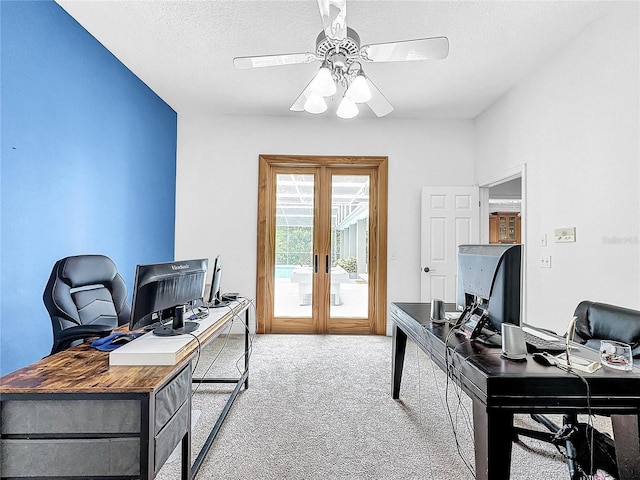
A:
(184, 49)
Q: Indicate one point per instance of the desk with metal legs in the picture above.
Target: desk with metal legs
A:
(499, 388)
(73, 415)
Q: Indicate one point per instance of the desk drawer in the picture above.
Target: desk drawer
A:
(171, 397)
(65, 416)
(70, 457)
(170, 436)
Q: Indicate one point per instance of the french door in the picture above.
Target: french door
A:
(322, 245)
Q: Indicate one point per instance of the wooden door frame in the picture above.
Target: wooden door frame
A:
(378, 226)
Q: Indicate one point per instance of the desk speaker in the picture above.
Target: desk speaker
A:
(513, 344)
(437, 311)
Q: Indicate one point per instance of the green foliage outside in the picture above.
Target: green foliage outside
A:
(294, 245)
(350, 264)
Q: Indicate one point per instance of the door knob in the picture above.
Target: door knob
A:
(427, 270)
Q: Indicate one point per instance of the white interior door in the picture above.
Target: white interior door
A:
(450, 217)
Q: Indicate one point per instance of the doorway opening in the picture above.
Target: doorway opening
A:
(503, 214)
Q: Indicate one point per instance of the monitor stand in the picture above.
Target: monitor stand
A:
(223, 303)
(218, 303)
(178, 325)
(169, 331)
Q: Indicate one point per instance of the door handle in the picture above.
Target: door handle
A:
(315, 264)
(326, 263)
(427, 269)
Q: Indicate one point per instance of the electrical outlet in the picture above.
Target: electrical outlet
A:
(545, 261)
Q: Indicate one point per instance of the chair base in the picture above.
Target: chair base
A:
(585, 448)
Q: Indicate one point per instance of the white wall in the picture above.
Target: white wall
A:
(217, 182)
(574, 123)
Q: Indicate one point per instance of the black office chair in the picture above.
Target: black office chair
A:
(85, 297)
(595, 322)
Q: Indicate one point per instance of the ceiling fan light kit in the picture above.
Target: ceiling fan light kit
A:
(338, 48)
(347, 109)
(359, 91)
(315, 104)
(323, 83)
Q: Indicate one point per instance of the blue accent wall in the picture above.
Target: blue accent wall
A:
(88, 165)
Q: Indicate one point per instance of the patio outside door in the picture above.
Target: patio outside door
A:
(319, 249)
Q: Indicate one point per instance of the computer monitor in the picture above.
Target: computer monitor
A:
(489, 288)
(161, 291)
(215, 294)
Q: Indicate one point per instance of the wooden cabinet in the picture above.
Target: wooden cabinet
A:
(504, 227)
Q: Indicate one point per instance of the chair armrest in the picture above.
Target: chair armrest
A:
(66, 337)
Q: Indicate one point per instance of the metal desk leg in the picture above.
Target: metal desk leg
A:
(246, 348)
(399, 346)
(625, 434)
(492, 431)
(186, 455)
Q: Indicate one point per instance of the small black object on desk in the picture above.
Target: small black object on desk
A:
(122, 339)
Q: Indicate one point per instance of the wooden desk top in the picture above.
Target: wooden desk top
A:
(83, 369)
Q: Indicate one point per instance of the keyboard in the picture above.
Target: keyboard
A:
(542, 344)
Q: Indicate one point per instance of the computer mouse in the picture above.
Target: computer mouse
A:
(544, 358)
(122, 339)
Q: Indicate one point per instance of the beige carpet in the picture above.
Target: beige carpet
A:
(319, 407)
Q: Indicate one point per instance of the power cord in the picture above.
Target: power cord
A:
(226, 341)
(247, 329)
(450, 372)
(203, 376)
(590, 437)
(453, 422)
(199, 349)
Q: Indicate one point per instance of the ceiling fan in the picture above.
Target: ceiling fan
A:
(341, 55)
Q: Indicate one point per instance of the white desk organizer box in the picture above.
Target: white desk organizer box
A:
(150, 349)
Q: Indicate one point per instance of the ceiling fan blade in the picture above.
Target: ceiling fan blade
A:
(378, 102)
(274, 60)
(298, 105)
(334, 18)
(420, 49)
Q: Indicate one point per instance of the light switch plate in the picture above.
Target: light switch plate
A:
(567, 234)
(543, 239)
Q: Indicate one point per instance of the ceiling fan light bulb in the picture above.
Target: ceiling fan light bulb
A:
(347, 109)
(315, 104)
(359, 91)
(323, 83)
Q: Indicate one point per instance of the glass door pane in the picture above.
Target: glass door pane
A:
(349, 246)
(293, 276)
